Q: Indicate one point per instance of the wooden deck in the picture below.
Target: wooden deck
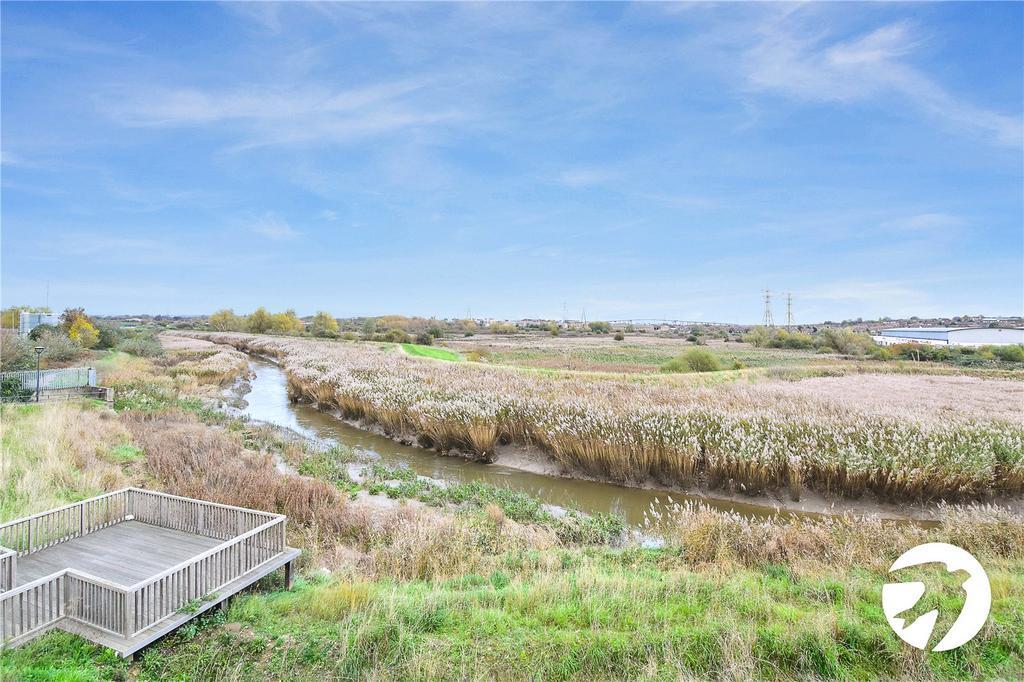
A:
(103, 553)
(127, 568)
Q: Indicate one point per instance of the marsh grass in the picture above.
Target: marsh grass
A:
(745, 437)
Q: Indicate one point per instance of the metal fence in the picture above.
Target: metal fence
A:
(49, 380)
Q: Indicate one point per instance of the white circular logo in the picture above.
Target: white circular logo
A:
(897, 598)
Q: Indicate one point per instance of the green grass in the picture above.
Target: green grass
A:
(431, 352)
(599, 614)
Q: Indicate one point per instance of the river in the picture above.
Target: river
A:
(268, 402)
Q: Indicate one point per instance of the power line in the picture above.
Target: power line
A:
(789, 311)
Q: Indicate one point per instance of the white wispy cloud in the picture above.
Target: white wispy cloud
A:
(801, 59)
(272, 114)
(274, 227)
(926, 222)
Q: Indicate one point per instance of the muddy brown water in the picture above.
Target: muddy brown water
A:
(268, 402)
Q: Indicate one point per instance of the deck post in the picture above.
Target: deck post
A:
(129, 614)
(289, 575)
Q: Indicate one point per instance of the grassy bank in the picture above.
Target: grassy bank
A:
(430, 352)
(405, 579)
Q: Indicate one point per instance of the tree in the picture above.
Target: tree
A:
(68, 317)
(600, 327)
(286, 323)
(225, 320)
(259, 322)
(324, 325)
(83, 332)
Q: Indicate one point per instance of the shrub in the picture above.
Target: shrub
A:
(1013, 353)
(424, 339)
(600, 327)
(619, 336)
(502, 328)
(59, 348)
(553, 329)
(396, 336)
(144, 346)
(15, 353)
(693, 360)
(109, 335)
(39, 330)
(12, 390)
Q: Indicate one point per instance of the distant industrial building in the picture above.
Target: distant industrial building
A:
(30, 321)
(951, 336)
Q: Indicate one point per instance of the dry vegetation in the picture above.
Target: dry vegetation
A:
(417, 592)
(769, 435)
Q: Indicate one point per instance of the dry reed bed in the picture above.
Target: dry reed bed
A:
(753, 437)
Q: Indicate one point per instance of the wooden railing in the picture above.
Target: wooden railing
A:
(209, 519)
(31, 607)
(166, 593)
(8, 569)
(55, 526)
(251, 538)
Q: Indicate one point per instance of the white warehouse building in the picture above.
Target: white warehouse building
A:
(951, 336)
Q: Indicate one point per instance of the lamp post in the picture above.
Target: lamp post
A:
(39, 352)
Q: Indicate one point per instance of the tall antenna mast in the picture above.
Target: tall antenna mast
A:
(789, 310)
(565, 312)
(768, 321)
(583, 314)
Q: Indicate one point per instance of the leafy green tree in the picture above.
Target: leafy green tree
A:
(259, 321)
(324, 325)
(600, 327)
(225, 320)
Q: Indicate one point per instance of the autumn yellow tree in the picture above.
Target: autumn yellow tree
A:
(225, 320)
(83, 332)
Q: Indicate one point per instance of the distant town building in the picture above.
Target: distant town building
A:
(951, 336)
(30, 321)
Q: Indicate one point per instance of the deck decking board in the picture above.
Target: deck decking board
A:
(125, 554)
(121, 574)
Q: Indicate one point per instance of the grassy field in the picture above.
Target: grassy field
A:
(403, 579)
(430, 352)
(635, 354)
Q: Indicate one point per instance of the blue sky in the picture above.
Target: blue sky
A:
(633, 160)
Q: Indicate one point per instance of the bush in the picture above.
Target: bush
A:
(142, 346)
(600, 327)
(619, 336)
(424, 339)
(109, 335)
(1013, 353)
(502, 328)
(39, 330)
(59, 348)
(15, 353)
(12, 390)
(396, 336)
(693, 360)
